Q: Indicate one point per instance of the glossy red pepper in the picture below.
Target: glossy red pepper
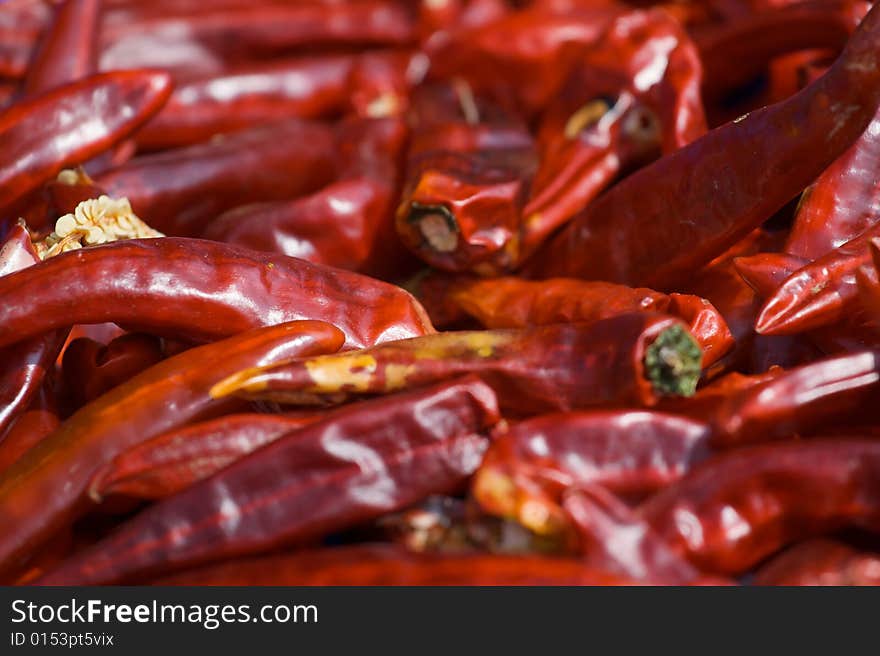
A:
(669, 218)
(246, 96)
(821, 562)
(89, 368)
(355, 465)
(528, 468)
(179, 192)
(71, 124)
(391, 565)
(67, 52)
(199, 291)
(171, 462)
(46, 489)
(630, 359)
(734, 510)
(516, 303)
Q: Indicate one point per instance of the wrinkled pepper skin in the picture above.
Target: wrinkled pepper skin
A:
(24, 364)
(169, 463)
(67, 52)
(46, 489)
(528, 468)
(635, 93)
(666, 220)
(89, 368)
(199, 290)
(614, 538)
(347, 224)
(179, 192)
(45, 134)
(631, 359)
(245, 96)
(355, 465)
(821, 562)
(512, 302)
(821, 293)
(392, 565)
(736, 509)
(739, 50)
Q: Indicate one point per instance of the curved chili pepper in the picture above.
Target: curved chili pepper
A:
(201, 291)
(630, 359)
(821, 562)
(245, 96)
(46, 489)
(392, 565)
(180, 191)
(516, 303)
(171, 462)
(355, 465)
(67, 52)
(741, 49)
(348, 223)
(613, 538)
(734, 510)
(89, 368)
(661, 223)
(71, 124)
(527, 468)
(821, 293)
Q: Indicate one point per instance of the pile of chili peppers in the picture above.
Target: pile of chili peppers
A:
(440, 292)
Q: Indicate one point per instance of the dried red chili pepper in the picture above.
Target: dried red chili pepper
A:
(46, 489)
(89, 368)
(200, 291)
(613, 538)
(67, 52)
(348, 223)
(357, 464)
(740, 49)
(821, 293)
(630, 359)
(245, 96)
(516, 303)
(527, 468)
(171, 462)
(47, 133)
(380, 82)
(180, 191)
(28, 429)
(659, 225)
(392, 565)
(869, 287)
(734, 510)
(821, 562)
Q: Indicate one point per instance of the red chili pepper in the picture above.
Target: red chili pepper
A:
(180, 191)
(528, 468)
(663, 222)
(68, 50)
(355, 465)
(246, 96)
(390, 565)
(516, 303)
(821, 293)
(630, 359)
(72, 124)
(171, 462)
(28, 429)
(200, 291)
(380, 82)
(741, 49)
(821, 562)
(31, 499)
(869, 287)
(613, 538)
(736, 509)
(89, 368)
(348, 223)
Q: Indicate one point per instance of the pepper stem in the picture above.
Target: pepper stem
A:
(437, 226)
(673, 362)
